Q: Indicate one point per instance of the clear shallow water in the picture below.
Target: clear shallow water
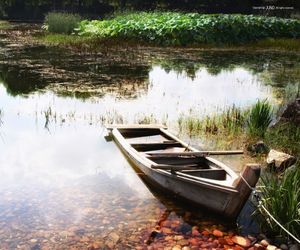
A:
(62, 185)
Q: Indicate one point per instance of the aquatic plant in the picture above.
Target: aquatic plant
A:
(173, 28)
(260, 118)
(281, 197)
(64, 23)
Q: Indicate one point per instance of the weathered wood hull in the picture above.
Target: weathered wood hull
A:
(226, 199)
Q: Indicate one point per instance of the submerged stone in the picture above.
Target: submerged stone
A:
(242, 241)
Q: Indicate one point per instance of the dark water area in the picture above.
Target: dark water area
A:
(63, 186)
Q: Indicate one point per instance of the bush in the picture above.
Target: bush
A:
(173, 28)
(260, 118)
(64, 23)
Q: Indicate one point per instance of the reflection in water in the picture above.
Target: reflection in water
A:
(65, 186)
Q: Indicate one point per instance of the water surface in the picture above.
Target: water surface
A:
(63, 185)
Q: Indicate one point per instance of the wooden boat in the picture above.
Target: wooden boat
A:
(189, 173)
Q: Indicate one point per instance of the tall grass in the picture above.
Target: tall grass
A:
(63, 23)
(281, 197)
(285, 137)
(230, 121)
(174, 28)
(260, 118)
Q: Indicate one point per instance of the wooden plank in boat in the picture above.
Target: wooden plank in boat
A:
(135, 126)
(175, 167)
(197, 153)
(154, 146)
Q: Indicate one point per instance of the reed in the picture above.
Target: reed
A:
(229, 121)
(145, 119)
(281, 197)
(260, 118)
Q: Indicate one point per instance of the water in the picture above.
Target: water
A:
(62, 185)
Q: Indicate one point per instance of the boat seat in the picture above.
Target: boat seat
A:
(139, 132)
(175, 167)
(155, 145)
(216, 174)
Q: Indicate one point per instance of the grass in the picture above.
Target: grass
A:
(4, 25)
(62, 23)
(66, 40)
(285, 137)
(282, 198)
(174, 28)
(260, 118)
(230, 121)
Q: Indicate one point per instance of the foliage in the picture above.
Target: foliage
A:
(173, 28)
(64, 23)
(284, 136)
(260, 118)
(281, 197)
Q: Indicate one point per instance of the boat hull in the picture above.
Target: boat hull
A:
(225, 200)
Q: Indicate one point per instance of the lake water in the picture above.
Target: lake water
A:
(63, 186)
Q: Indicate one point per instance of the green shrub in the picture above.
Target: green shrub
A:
(64, 23)
(173, 28)
(260, 118)
(281, 197)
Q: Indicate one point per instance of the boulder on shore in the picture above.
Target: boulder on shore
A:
(279, 160)
(292, 112)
